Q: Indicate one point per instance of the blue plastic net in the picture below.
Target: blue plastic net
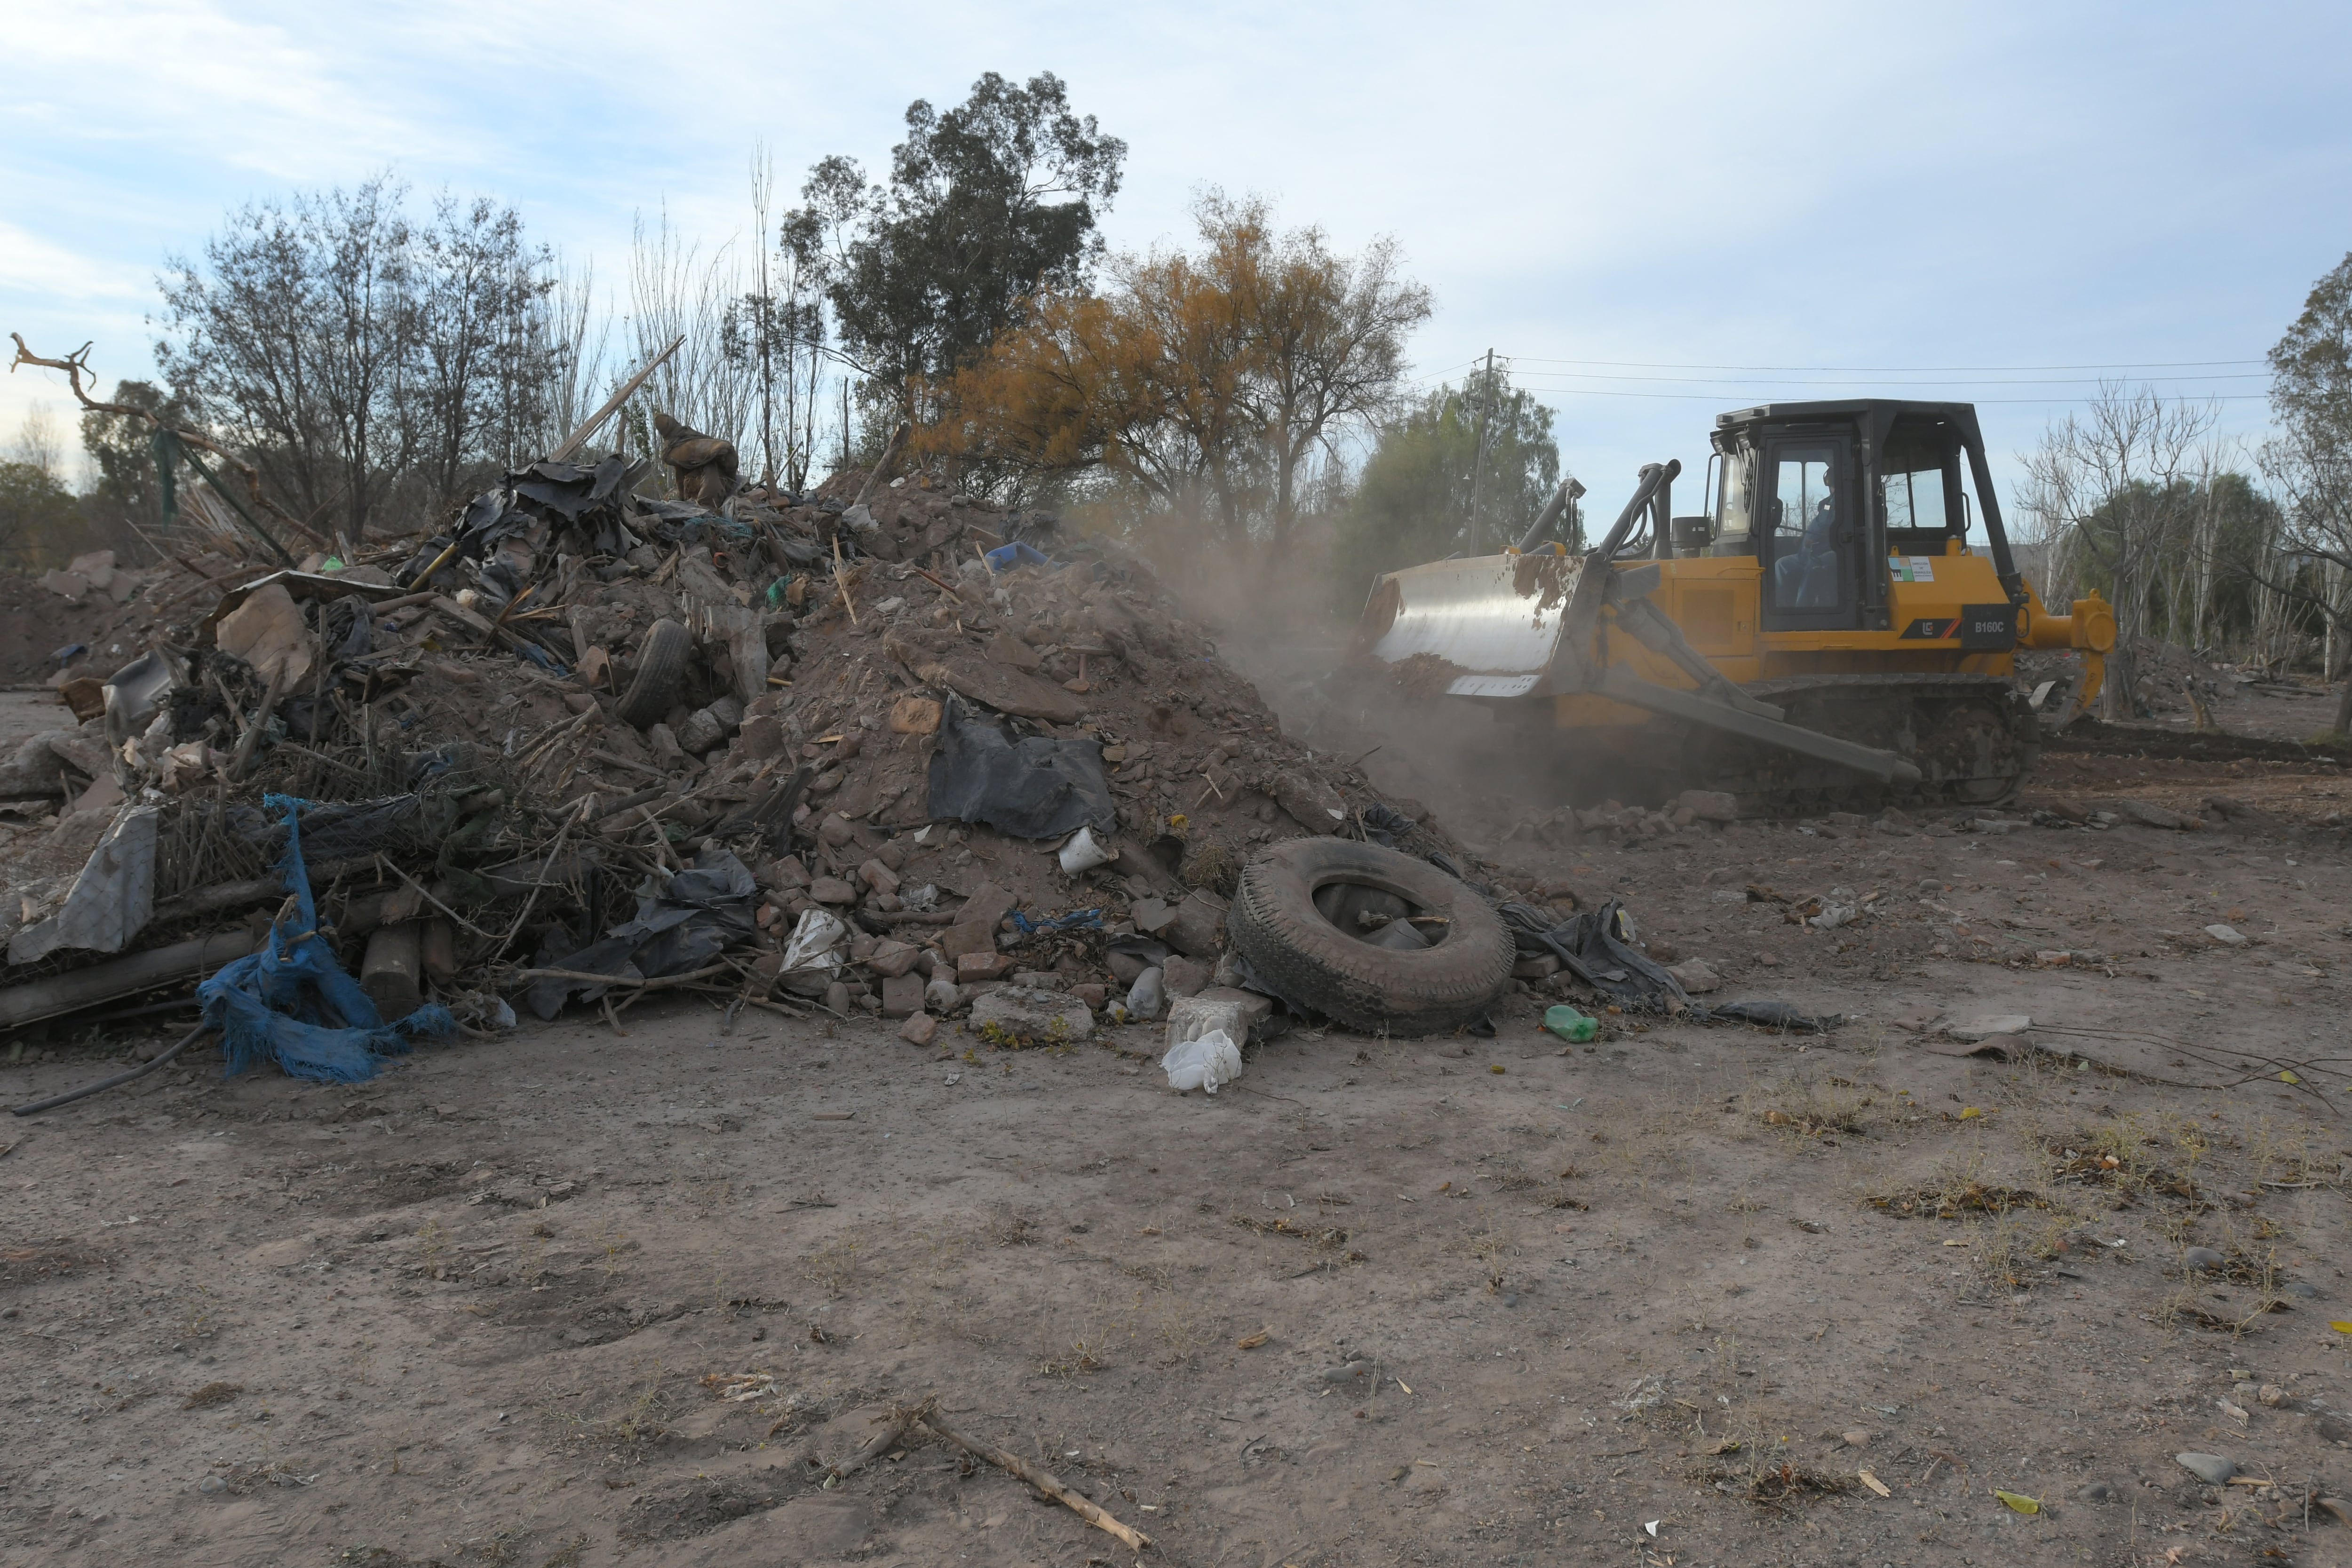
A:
(292, 1004)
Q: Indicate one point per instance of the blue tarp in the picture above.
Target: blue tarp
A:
(292, 1004)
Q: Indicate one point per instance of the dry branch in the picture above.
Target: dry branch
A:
(1040, 1479)
(74, 364)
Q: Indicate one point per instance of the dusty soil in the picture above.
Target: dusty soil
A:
(491, 1307)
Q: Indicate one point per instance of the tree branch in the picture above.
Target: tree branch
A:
(75, 363)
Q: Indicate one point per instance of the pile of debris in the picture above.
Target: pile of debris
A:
(878, 747)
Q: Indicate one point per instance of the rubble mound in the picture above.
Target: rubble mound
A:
(875, 746)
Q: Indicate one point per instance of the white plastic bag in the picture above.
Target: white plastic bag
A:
(1206, 1063)
(812, 956)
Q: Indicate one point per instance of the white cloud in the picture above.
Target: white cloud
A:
(1795, 184)
(32, 265)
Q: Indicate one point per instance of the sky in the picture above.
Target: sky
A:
(1653, 212)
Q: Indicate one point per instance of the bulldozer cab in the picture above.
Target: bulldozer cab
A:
(1835, 498)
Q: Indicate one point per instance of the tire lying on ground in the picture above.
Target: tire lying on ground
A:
(661, 669)
(1307, 914)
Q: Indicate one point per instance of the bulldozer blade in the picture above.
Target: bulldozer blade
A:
(1883, 766)
(1494, 620)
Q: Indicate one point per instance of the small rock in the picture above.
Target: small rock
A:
(2303, 1289)
(919, 1030)
(1857, 1439)
(1693, 976)
(2203, 1258)
(941, 995)
(2213, 1468)
(878, 876)
(902, 995)
(1091, 994)
(212, 1484)
(1198, 928)
(1031, 1016)
(973, 967)
(2334, 1430)
(836, 997)
(2228, 936)
(1353, 1372)
(1969, 1031)
(1708, 806)
(831, 891)
(2100, 1491)
(1184, 976)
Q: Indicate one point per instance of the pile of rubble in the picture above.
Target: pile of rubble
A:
(878, 747)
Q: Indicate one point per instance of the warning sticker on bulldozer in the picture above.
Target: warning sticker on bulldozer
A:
(1912, 568)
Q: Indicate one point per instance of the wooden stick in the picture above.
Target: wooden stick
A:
(537, 882)
(893, 1432)
(620, 762)
(572, 442)
(428, 897)
(841, 580)
(1134, 1539)
(261, 719)
(657, 983)
(890, 455)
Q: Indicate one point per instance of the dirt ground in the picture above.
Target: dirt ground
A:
(1682, 1296)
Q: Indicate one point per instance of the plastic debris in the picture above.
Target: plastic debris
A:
(1205, 1063)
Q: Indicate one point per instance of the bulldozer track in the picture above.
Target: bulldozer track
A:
(1973, 738)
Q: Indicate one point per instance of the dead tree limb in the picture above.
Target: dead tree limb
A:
(1044, 1482)
(894, 1431)
(78, 362)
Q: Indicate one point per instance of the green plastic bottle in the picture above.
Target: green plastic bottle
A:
(1570, 1024)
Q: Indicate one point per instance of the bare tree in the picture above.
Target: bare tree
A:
(481, 364)
(1327, 333)
(2117, 481)
(575, 344)
(36, 444)
(673, 292)
(294, 337)
(2313, 477)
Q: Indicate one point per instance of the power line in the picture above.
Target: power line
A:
(1891, 369)
(1987, 381)
(1714, 397)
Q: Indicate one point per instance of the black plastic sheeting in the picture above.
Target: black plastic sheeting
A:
(589, 501)
(1592, 948)
(695, 914)
(1037, 788)
(1590, 945)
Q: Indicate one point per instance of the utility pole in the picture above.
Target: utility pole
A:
(1478, 462)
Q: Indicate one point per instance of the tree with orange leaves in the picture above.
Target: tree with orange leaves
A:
(1209, 384)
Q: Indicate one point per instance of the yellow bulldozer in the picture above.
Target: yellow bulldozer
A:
(1827, 633)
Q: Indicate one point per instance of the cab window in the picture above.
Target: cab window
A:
(1809, 553)
(1918, 487)
(1731, 503)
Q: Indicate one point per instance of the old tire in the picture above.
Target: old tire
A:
(661, 671)
(1305, 958)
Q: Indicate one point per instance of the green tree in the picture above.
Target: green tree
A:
(40, 522)
(987, 202)
(2309, 463)
(121, 449)
(1413, 503)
